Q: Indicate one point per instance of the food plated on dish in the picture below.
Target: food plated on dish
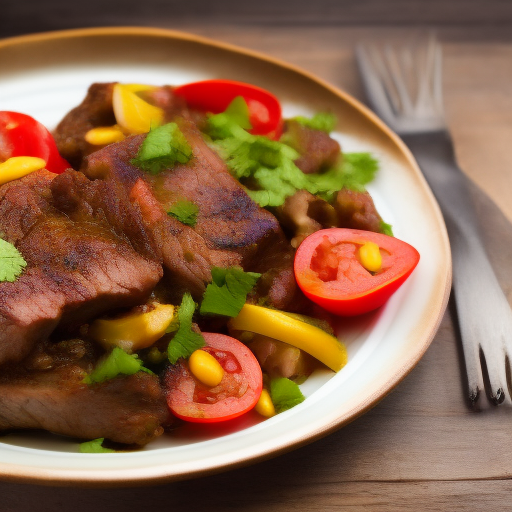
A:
(151, 251)
(135, 233)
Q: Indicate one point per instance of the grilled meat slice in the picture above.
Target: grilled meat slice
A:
(230, 230)
(236, 229)
(316, 148)
(77, 265)
(185, 255)
(97, 110)
(47, 393)
(356, 210)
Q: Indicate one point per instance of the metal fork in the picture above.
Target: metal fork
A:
(404, 88)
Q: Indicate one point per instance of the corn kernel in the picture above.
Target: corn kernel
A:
(205, 368)
(370, 256)
(19, 166)
(265, 407)
(104, 135)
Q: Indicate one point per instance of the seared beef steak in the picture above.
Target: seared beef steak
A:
(77, 265)
(97, 110)
(231, 229)
(48, 393)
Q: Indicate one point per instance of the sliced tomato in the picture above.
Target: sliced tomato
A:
(329, 271)
(215, 96)
(22, 135)
(237, 393)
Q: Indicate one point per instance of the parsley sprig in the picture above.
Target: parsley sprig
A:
(163, 148)
(12, 262)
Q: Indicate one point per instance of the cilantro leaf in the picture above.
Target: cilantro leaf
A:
(285, 394)
(162, 148)
(95, 446)
(231, 123)
(184, 211)
(227, 293)
(323, 121)
(268, 166)
(12, 262)
(386, 228)
(118, 362)
(358, 169)
(238, 112)
(185, 341)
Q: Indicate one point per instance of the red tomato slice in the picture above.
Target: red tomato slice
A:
(329, 272)
(216, 95)
(22, 135)
(237, 393)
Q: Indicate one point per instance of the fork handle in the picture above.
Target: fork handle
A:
(483, 310)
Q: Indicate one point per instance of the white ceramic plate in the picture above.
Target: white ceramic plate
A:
(46, 75)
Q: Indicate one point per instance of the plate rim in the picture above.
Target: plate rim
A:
(147, 476)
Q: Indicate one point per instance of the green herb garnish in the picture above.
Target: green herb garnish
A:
(162, 148)
(323, 121)
(227, 293)
(184, 211)
(268, 166)
(95, 446)
(185, 341)
(386, 228)
(12, 262)
(285, 394)
(118, 362)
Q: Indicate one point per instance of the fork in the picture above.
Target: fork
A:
(404, 88)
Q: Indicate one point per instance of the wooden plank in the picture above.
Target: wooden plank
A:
(421, 448)
(269, 493)
(33, 15)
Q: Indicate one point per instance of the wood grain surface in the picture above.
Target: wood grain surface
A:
(421, 448)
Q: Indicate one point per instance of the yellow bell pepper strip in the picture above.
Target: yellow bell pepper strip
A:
(133, 114)
(104, 135)
(275, 324)
(19, 166)
(133, 331)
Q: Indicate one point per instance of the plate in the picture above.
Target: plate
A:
(46, 75)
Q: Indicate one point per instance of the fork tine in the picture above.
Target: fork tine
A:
(438, 79)
(397, 76)
(373, 86)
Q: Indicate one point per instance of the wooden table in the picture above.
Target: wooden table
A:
(421, 448)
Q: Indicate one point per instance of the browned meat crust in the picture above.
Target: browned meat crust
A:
(356, 210)
(185, 256)
(77, 266)
(47, 393)
(231, 229)
(316, 148)
(96, 110)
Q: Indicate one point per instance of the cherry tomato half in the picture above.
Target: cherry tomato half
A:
(237, 393)
(22, 135)
(216, 95)
(328, 270)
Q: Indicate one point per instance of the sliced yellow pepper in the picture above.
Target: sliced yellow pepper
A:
(19, 166)
(133, 331)
(275, 324)
(104, 135)
(133, 114)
